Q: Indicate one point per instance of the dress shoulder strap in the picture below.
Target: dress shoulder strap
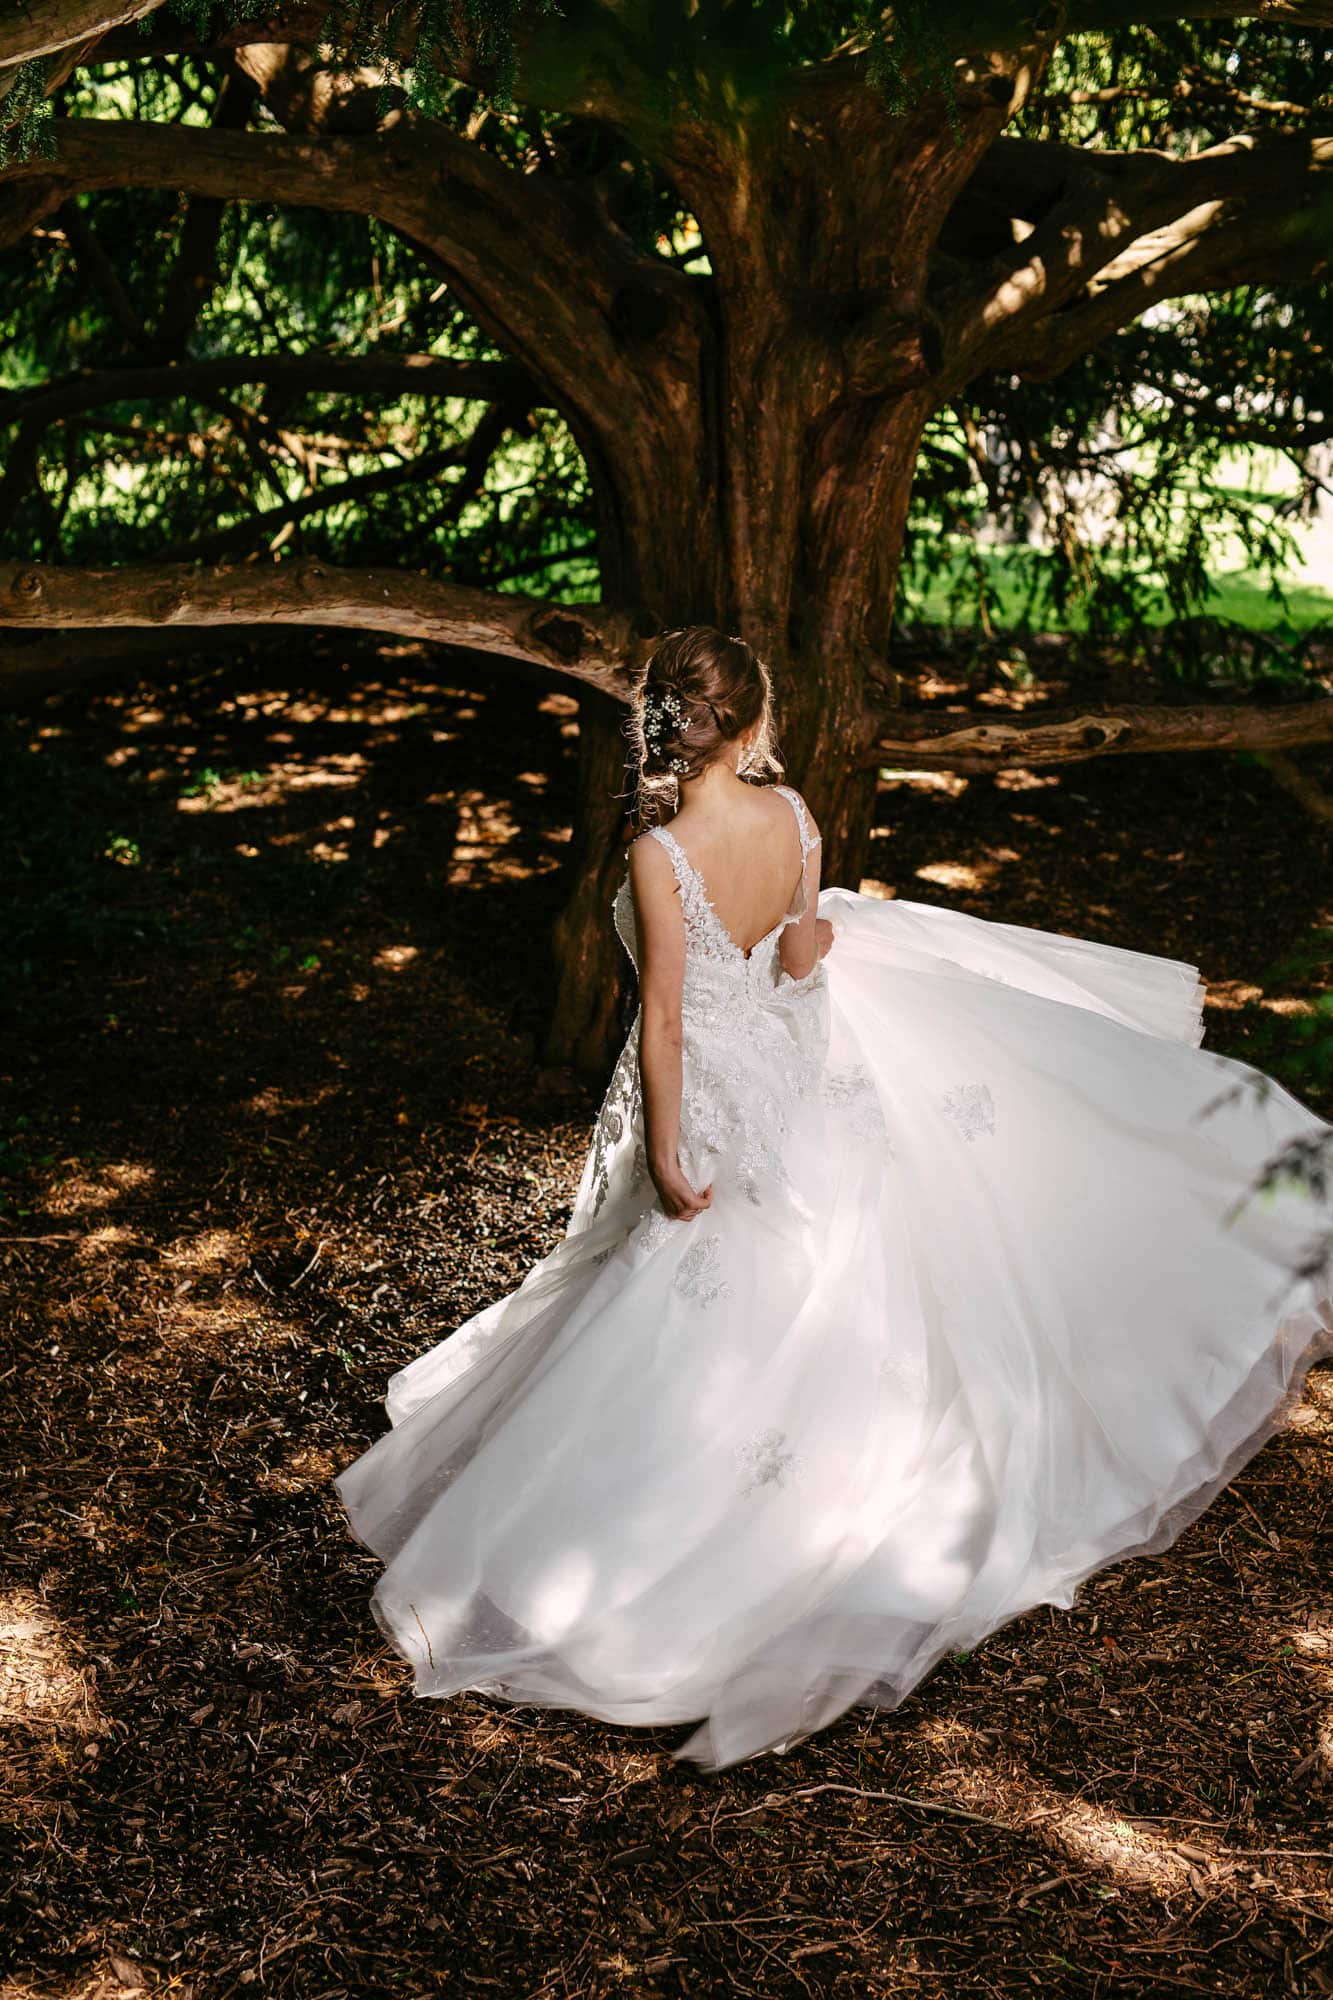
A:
(797, 804)
(693, 896)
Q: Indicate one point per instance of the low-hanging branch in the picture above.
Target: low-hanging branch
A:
(590, 643)
(600, 646)
(954, 742)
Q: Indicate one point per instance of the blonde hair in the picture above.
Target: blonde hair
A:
(700, 690)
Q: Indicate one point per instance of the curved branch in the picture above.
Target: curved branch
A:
(350, 374)
(1118, 231)
(966, 743)
(45, 26)
(590, 643)
(538, 266)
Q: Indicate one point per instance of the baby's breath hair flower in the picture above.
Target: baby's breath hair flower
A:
(657, 708)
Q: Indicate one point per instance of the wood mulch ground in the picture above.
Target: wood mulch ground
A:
(276, 971)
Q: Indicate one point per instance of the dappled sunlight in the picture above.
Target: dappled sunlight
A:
(41, 1683)
(79, 1193)
(971, 877)
(274, 1101)
(106, 1240)
(1020, 779)
(250, 793)
(1232, 995)
(308, 1468)
(211, 1252)
(330, 1140)
(949, 784)
(51, 1718)
(1312, 1645)
(485, 828)
(395, 957)
(1124, 1852)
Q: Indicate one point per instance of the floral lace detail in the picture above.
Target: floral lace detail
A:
(754, 1042)
(853, 1091)
(763, 1462)
(697, 1279)
(972, 1109)
(618, 1111)
(654, 1230)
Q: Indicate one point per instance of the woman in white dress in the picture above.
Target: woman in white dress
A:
(907, 1284)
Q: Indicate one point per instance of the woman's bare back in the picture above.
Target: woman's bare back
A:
(747, 850)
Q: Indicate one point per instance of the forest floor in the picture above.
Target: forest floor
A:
(277, 973)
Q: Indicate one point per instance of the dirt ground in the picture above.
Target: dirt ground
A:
(275, 969)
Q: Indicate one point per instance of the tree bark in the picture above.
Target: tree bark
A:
(586, 643)
(590, 964)
(960, 743)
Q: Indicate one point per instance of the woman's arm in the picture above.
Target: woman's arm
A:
(661, 930)
(805, 942)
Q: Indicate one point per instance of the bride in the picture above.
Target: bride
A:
(908, 1283)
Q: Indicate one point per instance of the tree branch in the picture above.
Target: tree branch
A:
(590, 643)
(44, 26)
(968, 743)
(358, 487)
(536, 265)
(1117, 231)
(305, 374)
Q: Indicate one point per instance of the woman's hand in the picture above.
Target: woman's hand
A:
(823, 936)
(678, 1198)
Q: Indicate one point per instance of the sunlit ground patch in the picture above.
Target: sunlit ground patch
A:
(207, 1252)
(107, 1240)
(77, 1193)
(395, 957)
(306, 1469)
(972, 876)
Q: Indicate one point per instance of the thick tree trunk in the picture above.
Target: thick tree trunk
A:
(590, 962)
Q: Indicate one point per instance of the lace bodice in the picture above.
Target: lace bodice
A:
(753, 1041)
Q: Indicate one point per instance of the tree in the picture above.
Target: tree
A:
(755, 256)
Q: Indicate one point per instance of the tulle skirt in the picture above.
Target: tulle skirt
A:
(1039, 1277)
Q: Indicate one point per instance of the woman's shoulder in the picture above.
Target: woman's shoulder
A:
(795, 802)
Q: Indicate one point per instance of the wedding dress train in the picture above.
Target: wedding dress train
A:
(1003, 1279)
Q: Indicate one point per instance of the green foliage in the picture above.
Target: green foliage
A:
(171, 474)
(25, 126)
(1110, 491)
(1095, 501)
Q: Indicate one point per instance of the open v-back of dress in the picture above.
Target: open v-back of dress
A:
(1003, 1279)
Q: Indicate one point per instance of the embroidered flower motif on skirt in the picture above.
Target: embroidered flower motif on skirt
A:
(853, 1092)
(697, 1278)
(653, 1231)
(972, 1109)
(763, 1462)
(903, 1371)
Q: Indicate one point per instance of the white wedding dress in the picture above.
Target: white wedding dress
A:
(994, 1290)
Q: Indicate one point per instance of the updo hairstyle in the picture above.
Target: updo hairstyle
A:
(700, 691)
